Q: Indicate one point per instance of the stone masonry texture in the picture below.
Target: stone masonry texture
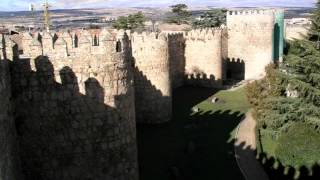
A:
(8, 143)
(75, 109)
(70, 101)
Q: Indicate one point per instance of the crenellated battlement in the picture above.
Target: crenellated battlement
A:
(8, 48)
(149, 37)
(205, 34)
(82, 91)
(175, 37)
(248, 20)
(74, 43)
(251, 12)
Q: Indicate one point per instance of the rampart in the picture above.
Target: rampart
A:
(8, 143)
(75, 110)
(177, 58)
(152, 77)
(72, 99)
(204, 65)
(250, 41)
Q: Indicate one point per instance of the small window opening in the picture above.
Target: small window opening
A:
(95, 41)
(118, 46)
(76, 41)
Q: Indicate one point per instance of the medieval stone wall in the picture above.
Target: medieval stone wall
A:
(73, 98)
(177, 58)
(8, 145)
(250, 41)
(152, 77)
(75, 110)
(204, 57)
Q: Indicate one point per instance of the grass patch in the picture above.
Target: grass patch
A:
(268, 141)
(269, 145)
(197, 146)
(233, 101)
(299, 146)
(298, 150)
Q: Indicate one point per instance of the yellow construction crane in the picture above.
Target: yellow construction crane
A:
(46, 16)
(32, 9)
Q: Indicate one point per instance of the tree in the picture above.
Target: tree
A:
(278, 111)
(136, 21)
(131, 22)
(211, 18)
(314, 34)
(179, 8)
(180, 15)
(92, 26)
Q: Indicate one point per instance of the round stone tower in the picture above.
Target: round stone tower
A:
(152, 77)
(75, 112)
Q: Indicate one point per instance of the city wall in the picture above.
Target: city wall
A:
(250, 41)
(152, 77)
(177, 58)
(75, 111)
(204, 64)
(9, 161)
(72, 99)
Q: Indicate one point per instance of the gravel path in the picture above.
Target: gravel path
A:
(245, 147)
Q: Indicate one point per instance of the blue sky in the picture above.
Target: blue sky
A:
(15, 5)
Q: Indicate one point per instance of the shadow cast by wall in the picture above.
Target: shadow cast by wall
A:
(202, 80)
(277, 171)
(9, 155)
(202, 146)
(64, 134)
(193, 145)
(177, 59)
(270, 165)
(235, 69)
(151, 105)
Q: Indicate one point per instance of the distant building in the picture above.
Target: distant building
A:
(299, 21)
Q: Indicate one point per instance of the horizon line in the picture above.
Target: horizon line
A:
(160, 7)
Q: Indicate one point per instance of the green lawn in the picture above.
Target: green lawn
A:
(297, 149)
(300, 146)
(197, 146)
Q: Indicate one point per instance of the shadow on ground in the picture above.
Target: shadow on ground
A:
(200, 146)
(193, 146)
(277, 171)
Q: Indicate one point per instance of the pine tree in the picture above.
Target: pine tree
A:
(314, 34)
(211, 18)
(275, 108)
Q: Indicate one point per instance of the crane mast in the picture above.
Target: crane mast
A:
(46, 16)
(32, 13)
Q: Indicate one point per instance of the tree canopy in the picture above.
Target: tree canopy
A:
(211, 18)
(131, 22)
(180, 14)
(288, 96)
